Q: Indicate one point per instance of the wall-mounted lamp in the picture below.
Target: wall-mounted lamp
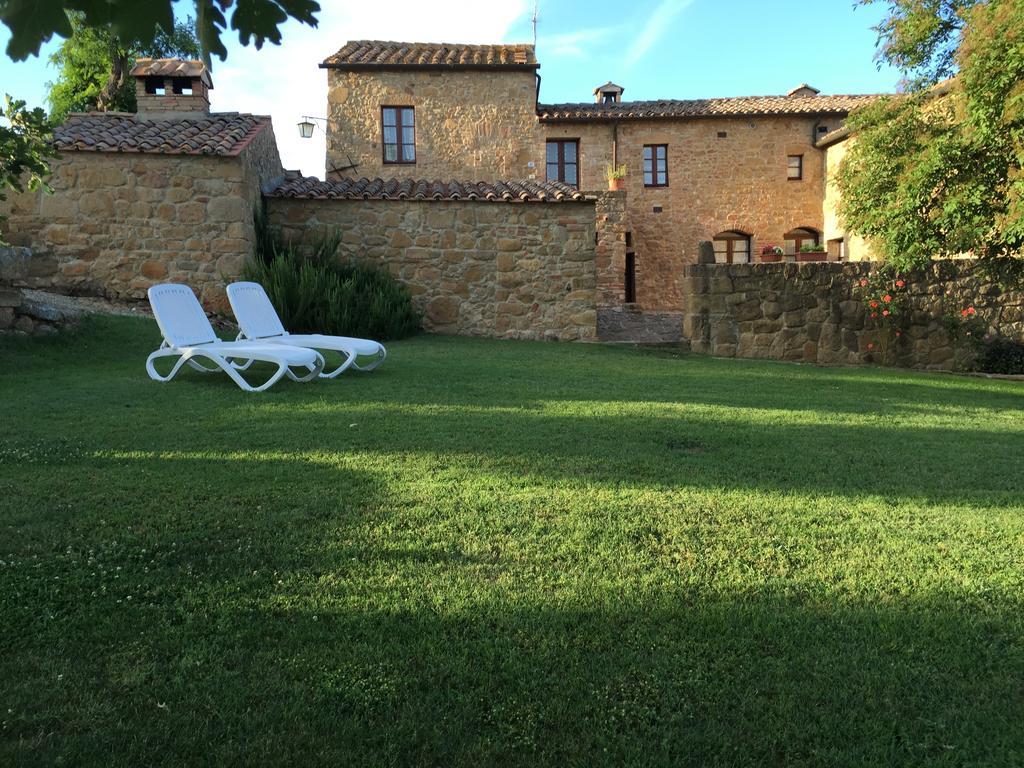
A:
(307, 125)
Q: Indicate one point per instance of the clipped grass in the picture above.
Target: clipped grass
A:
(507, 553)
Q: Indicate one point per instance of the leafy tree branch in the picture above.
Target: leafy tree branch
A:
(25, 147)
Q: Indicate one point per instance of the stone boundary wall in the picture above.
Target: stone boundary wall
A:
(500, 269)
(813, 313)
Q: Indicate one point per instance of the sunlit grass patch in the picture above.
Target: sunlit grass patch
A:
(507, 553)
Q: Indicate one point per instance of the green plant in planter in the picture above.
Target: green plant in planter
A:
(812, 248)
(615, 172)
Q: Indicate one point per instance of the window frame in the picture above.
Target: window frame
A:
(799, 168)
(731, 236)
(654, 165)
(800, 236)
(399, 134)
(560, 162)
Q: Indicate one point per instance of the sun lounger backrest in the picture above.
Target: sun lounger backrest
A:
(181, 319)
(255, 314)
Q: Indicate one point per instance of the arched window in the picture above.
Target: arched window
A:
(732, 247)
(799, 237)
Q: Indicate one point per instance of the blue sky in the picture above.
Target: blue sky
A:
(653, 48)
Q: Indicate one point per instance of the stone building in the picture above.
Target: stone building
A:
(744, 173)
(166, 193)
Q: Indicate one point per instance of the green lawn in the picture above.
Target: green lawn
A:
(507, 553)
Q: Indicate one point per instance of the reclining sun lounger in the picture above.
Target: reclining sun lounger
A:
(189, 337)
(259, 322)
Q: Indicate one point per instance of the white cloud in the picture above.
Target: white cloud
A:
(657, 24)
(285, 82)
(577, 44)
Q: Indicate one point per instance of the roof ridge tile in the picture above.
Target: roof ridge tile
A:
(347, 188)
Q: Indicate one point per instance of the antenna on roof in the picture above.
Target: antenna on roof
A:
(536, 10)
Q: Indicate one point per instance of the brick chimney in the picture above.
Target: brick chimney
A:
(167, 89)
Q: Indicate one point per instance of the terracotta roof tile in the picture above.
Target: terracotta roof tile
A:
(171, 68)
(224, 134)
(410, 189)
(357, 54)
(742, 106)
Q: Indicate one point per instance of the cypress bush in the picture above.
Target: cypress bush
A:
(318, 293)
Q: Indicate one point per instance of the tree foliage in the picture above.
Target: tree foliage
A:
(24, 148)
(921, 37)
(95, 63)
(33, 22)
(937, 171)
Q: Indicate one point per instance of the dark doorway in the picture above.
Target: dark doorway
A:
(630, 278)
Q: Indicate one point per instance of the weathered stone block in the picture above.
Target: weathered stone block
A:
(153, 270)
(227, 209)
(442, 311)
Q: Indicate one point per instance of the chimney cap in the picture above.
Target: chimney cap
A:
(804, 90)
(172, 68)
(609, 93)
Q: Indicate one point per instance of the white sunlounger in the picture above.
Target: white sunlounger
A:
(189, 337)
(259, 322)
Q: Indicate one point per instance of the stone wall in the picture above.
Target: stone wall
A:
(509, 270)
(118, 223)
(470, 125)
(814, 313)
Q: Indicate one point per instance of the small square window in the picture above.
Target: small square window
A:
(795, 167)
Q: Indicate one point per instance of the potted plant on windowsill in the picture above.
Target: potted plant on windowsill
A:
(772, 253)
(810, 252)
(616, 175)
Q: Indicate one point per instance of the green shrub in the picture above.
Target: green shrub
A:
(318, 293)
(1001, 356)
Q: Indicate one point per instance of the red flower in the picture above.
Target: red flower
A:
(900, 283)
(870, 345)
(874, 314)
(970, 310)
(963, 313)
(874, 304)
(898, 334)
(887, 298)
(863, 283)
(885, 313)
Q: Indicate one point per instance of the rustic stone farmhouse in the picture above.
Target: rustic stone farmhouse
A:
(444, 166)
(743, 173)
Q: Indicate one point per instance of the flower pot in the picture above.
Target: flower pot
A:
(771, 257)
(614, 185)
(812, 256)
